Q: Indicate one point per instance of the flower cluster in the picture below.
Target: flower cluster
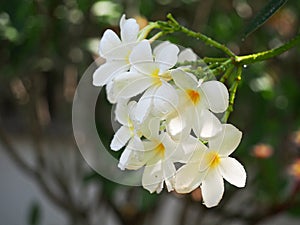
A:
(168, 116)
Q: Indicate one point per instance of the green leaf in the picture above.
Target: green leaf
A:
(269, 10)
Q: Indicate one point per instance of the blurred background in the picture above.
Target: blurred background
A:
(45, 47)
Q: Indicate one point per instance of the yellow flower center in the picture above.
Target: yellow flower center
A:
(127, 57)
(132, 129)
(130, 125)
(194, 96)
(160, 150)
(155, 78)
(166, 76)
(213, 159)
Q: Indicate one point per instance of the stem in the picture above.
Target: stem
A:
(213, 60)
(212, 66)
(172, 26)
(232, 93)
(207, 40)
(227, 73)
(261, 56)
(156, 36)
(222, 68)
(146, 30)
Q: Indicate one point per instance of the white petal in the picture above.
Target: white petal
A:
(131, 108)
(212, 188)
(171, 147)
(120, 138)
(120, 53)
(109, 41)
(233, 171)
(126, 154)
(128, 84)
(169, 171)
(122, 112)
(177, 127)
(187, 55)
(179, 124)
(188, 178)
(107, 71)
(148, 155)
(159, 47)
(184, 80)
(226, 141)
(153, 177)
(150, 128)
(194, 150)
(144, 105)
(122, 20)
(167, 57)
(189, 149)
(165, 99)
(206, 124)
(141, 58)
(110, 93)
(149, 146)
(216, 95)
(132, 157)
(129, 29)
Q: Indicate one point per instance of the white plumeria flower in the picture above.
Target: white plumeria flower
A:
(125, 116)
(159, 167)
(132, 157)
(200, 99)
(129, 133)
(116, 51)
(208, 167)
(149, 75)
(158, 154)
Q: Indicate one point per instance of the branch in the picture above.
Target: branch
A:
(173, 26)
(232, 93)
(261, 56)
